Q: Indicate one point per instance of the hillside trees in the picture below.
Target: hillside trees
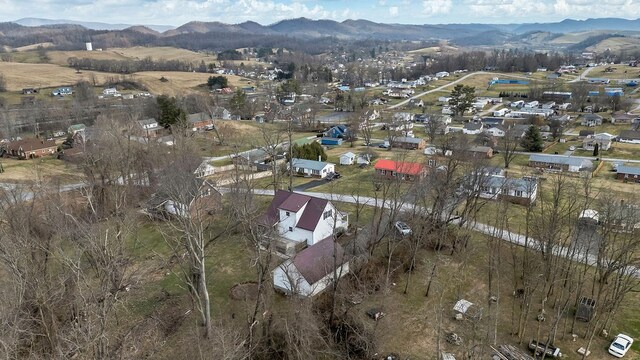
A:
(217, 82)
(312, 151)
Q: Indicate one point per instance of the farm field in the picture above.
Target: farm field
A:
(23, 75)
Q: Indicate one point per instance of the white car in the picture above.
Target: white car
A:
(403, 228)
(620, 345)
(572, 148)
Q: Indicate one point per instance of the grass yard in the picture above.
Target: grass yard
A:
(46, 169)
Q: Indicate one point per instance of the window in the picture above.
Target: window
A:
(315, 172)
(290, 228)
(287, 213)
(519, 193)
(432, 162)
(327, 214)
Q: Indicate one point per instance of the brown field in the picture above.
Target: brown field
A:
(33, 46)
(19, 76)
(616, 45)
(43, 169)
(619, 71)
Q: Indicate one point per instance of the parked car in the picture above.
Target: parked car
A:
(620, 345)
(572, 148)
(403, 228)
(332, 176)
(383, 146)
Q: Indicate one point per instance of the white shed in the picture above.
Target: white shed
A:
(347, 158)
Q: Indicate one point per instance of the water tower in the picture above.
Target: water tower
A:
(89, 46)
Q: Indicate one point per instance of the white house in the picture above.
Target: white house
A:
(472, 128)
(603, 140)
(532, 104)
(302, 219)
(204, 169)
(110, 92)
(312, 168)
(496, 130)
(311, 270)
(501, 112)
(519, 190)
(347, 158)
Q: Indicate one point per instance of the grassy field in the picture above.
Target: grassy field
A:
(23, 75)
(46, 169)
(618, 71)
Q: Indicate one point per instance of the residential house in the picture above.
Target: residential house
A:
(62, 91)
(585, 133)
(501, 112)
(559, 163)
(312, 167)
(489, 121)
(330, 141)
(623, 118)
(204, 169)
(311, 270)
(397, 169)
(628, 173)
(196, 199)
(221, 113)
(410, 143)
(522, 191)
(496, 130)
(200, 121)
(300, 220)
(603, 140)
(31, 148)
(27, 91)
(110, 92)
(443, 129)
(629, 136)
(337, 131)
(348, 158)
(472, 128)
(591, 120)
(149, 127)
(484, 152)
(251, 157)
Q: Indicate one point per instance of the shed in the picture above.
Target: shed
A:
(585, 309)
(330, 141)
(589, 215)
(347, 158)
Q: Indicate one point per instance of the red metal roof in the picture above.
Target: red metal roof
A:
(317, 261)
(400, 167)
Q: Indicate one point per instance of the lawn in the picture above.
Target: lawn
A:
(47, 169)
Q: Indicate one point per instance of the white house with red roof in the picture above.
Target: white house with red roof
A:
(299, 218)
(311, 270)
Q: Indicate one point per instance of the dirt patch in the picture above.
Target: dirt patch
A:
(244, 291)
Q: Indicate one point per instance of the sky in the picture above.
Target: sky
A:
(178, 12)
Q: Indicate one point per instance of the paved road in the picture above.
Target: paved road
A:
(453, 83)
(585, 157)
(486, 229)
(582, 75)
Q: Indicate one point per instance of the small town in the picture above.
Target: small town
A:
(215, 191)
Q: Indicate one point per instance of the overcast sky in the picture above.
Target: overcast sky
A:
(178, 12)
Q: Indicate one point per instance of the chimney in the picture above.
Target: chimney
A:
(319, 158)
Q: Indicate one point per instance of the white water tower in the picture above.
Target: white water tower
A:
(89, 46)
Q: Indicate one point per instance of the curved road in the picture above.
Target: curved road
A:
(453, 83)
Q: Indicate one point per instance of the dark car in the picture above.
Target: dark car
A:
(332, 176)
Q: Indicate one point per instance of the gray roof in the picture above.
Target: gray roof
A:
(521, 184)
(197, 117)
(482, 149)
(631, 170)
(472, 126)
(349, 154)
(309, 164)
(149, 121)
(629, 135)
(408, 139)
(561, 160)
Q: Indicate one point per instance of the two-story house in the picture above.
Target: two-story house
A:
(301, 220)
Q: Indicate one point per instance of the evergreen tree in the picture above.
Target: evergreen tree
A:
(532, 140)
(170, 113)
(596, 150)
(462, 96)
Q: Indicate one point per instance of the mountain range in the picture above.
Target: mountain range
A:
(360, 29)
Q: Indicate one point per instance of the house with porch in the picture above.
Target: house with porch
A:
(591, 120)
(30, 148)
(602, 139)
(472, 128)
(628, 173)
(622, 118)
(200, 121)
(149, 127)
(629, 136)
(407, 142)
(312, 168)
(559, 163)
(391, 169)
(523, 191)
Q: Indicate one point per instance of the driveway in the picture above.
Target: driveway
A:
(310, 185)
